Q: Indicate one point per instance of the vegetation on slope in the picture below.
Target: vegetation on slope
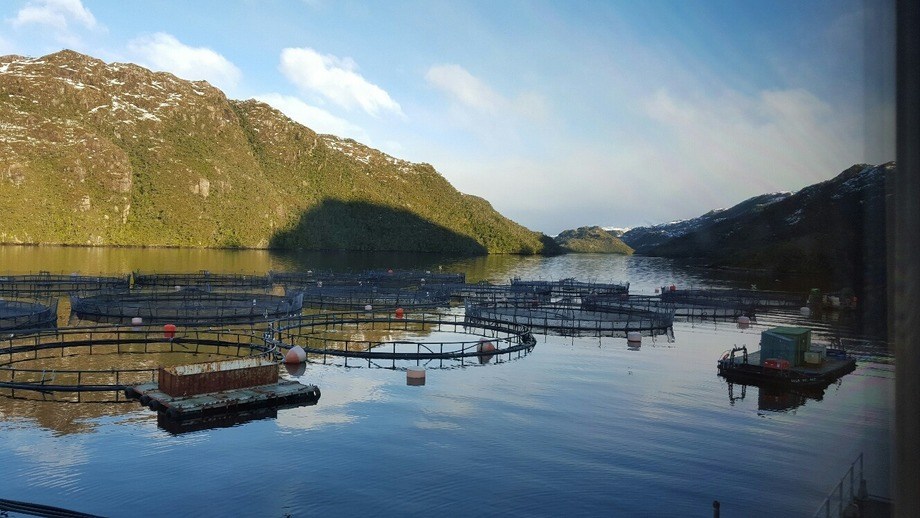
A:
(591, 240)
(114, 154)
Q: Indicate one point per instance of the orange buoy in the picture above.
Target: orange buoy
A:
(169, 330)
(399, 312)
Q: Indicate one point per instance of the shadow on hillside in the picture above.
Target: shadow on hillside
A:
(362, 226)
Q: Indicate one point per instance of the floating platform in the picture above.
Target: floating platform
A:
(223, 402)
(747, 368)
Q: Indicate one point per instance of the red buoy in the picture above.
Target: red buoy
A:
(399, 312)
(169, 330)
(485, 348)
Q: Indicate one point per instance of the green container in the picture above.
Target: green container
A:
(788, 343)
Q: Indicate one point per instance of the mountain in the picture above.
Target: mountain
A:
(833, 226)
(95, 153)
(644, 239)
(591, 240)
(833, 231)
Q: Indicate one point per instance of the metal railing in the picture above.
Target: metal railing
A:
(846, 492)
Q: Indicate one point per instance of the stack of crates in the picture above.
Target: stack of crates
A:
(787, 343)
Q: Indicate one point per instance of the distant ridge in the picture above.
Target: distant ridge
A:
(592, 240)
(95, 153)
(644, 239)
(834, 231)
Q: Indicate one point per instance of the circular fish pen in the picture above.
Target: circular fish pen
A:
(46, 284)
(20, 314)
(484, 292)
(571, 288)
(357, 298)
(387, 278)
(689, 311)
(398, 340)
(570, 319)
(97, 364)
(748, 299)
(204, 280)
(189, 306)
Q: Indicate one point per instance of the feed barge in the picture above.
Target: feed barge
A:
(787, 358)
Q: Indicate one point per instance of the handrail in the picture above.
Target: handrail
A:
(841, 489)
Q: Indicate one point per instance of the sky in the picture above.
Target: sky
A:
(560, 114)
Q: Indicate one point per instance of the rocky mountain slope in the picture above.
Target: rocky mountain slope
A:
(644, 239)
(833, 231)
(591, 240)
(95, 153)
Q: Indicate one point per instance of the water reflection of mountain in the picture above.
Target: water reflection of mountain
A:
(774, 399)
(62, 417)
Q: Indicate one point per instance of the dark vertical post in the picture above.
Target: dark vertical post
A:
(903, 267)
(715, 508)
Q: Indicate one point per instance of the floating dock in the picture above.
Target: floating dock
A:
(786, 359)
(222, 387)
(223, 402)
(747, 368)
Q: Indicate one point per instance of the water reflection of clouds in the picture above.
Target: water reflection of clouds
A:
(442, 412)
(49, 462)
(340, 389)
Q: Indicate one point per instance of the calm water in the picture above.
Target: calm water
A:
(581, 426)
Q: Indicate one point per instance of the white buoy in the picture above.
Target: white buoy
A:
(415, 376)
(744, 322)
(368, 307)
(295, 355)
(805, 310)
(634, 337)
(136, 321)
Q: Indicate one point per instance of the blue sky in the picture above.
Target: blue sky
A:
(561, 114)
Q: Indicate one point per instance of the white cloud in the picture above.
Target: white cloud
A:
(55, 13)
(317, 119)
(785, 139)
(687, 155)
(336, 80)
(472, 92)
(163, 51)
(464, 87)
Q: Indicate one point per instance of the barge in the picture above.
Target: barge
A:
(787, 359)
